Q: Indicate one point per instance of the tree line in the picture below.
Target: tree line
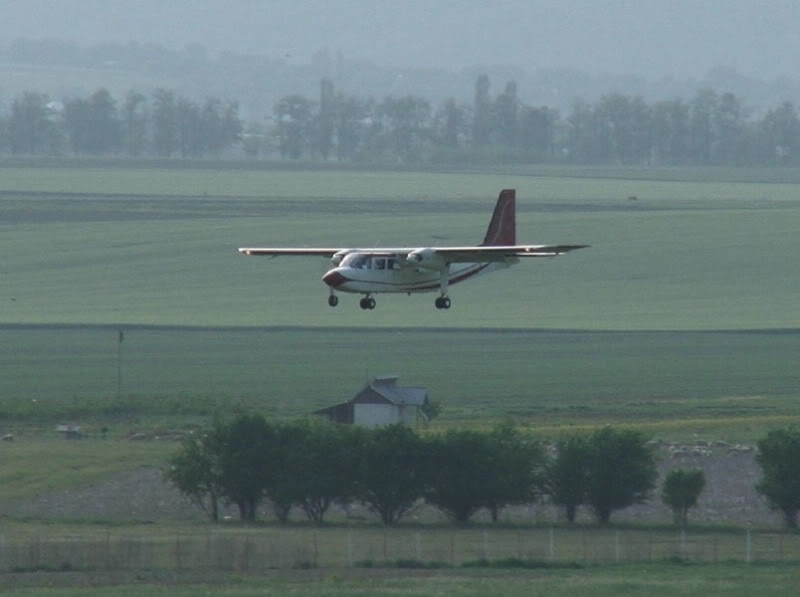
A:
(710, 129)
(163, 125)
(391, 470)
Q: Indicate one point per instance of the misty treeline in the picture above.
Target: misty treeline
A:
(392, 470)
(709, 129)
(163, 125)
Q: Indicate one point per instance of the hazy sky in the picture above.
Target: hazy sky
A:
(650, 37)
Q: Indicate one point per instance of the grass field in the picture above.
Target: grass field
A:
(157, 246)
(698, 251)
(669, 383)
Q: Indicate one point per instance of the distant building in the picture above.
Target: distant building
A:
(380, 402)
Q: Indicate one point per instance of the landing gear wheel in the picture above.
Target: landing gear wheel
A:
(370, 303)
(367, 303)
(442, 302)
(333, 300)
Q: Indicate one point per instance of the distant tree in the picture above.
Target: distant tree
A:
(195, 469)
(188, 128)
(506, 110)
(165, 123)
(730, 131)
(702, 136)
(779, 457)
(622, 471)
(680, 491)
(567, 475)
(92, 124)
(326, 121)
(350, 121)
(405, 124)
(670, 131)
(482, 112)
(391, 471)
(537, 128)
(451, 123)
(781, 127)
(135, 119)
(31, 125)
(295, 115)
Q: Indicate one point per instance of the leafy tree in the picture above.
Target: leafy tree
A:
(537, 131)
(245, 462)
(451, 124)
(196, 472)
(781, 127)
(779, 458)
(517, 464)
(459, 465)
(622, 471)
(323, 468)
(680, 491)
(391, 475)
(567, 475)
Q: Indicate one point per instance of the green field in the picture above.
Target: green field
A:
(157, 246)
(672, 383)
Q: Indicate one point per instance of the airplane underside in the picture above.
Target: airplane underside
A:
(403, 281)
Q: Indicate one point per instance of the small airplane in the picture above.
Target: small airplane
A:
(423, 269)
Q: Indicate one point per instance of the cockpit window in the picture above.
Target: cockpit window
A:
(356, 261)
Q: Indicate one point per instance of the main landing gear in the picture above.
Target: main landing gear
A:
(442, 302)
(333, 300)
(367, 303)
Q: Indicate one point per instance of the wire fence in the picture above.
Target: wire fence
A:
(257, 550)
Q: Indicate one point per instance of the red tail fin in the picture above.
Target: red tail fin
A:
(502, 230)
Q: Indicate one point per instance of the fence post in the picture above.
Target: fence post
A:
(350, 548)
(748, 547)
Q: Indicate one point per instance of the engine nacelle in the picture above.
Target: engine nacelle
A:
(425, 258)
(337, 257)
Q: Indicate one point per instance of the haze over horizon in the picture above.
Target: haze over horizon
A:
(682, 38)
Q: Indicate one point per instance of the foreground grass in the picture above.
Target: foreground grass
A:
(661, 579)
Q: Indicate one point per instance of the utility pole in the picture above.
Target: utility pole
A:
(120, 339)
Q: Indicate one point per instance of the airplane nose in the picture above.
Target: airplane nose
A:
(334, 279)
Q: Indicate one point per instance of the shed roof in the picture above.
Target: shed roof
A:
(387, 388)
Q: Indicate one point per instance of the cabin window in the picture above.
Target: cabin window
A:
(379, 263)
(391, 263)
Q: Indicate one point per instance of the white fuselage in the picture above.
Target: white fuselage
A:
(383, 274)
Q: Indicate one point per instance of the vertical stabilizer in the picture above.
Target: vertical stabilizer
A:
(502, 230)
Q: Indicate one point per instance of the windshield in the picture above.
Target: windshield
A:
(356, 261)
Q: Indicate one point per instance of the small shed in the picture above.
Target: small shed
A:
(380, 402)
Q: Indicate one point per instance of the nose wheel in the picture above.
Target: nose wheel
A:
(333, 300)
(367, 303)
(442, 302)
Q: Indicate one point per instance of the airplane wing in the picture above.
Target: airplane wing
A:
(492, 253)
(275, 251)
